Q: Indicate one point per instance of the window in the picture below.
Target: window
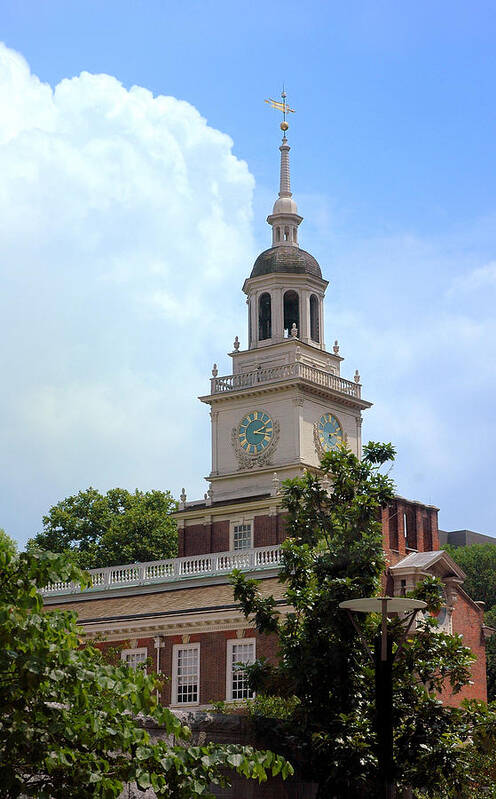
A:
(264, 317)
(291, 312)
(239, 651)
(134, 657)
(242, 536)
(186, 674)
(314, 318)
(410, 530)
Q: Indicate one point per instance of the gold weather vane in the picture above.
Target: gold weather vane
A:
(283, 107)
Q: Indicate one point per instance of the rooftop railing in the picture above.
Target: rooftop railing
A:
(286, 371)
(165, 571)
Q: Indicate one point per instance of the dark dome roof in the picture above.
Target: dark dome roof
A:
(285, 259)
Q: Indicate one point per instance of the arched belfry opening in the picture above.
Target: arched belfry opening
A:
(264, 317)
(291, 311)
(314, 319)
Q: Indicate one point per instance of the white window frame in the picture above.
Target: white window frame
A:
(246, 520)
(231, 643)
(141, 650)
(175, 661)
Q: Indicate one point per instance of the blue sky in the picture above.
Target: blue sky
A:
(393, 167)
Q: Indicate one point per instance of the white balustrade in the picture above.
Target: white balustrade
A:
(284, 372)
(162, 571)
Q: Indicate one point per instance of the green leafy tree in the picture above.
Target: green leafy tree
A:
(334, 552)
(68, 719)
(110, 529)
(478, 561)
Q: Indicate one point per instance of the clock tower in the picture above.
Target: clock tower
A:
(284, 402)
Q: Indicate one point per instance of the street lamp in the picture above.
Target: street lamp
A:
(384, 659)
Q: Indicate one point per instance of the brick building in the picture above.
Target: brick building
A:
(283, 405)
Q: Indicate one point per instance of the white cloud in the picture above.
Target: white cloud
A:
(125, 230)
(125, 236)
(481, 278)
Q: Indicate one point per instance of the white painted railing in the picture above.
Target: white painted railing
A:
(284, 372)
(162, 571)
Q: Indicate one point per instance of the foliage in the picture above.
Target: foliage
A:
(478, 561)
(110, 529)
(7, 542)
(490, 619)
(275, 707)
(334, 552)
(69, 722)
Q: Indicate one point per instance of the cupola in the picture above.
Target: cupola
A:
(285, 289)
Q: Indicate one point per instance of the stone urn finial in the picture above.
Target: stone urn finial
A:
(356, 376)
(335, 349)
(294, 330)
(236, 344)
(215, 371)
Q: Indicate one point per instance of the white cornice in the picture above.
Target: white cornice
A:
(203, 622)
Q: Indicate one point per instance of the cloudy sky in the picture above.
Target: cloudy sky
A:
(138, 163)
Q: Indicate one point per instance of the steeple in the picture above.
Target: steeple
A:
(284, 218)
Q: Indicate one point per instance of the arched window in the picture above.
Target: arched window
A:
(291, 312)
(314, 318)
(286, 234)
(278, 234)
(264, 317)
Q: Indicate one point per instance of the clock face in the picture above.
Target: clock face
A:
(330, 432)
(255, 432)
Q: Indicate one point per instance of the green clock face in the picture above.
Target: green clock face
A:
(256, 431)
(330, 432)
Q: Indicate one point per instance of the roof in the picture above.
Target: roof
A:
(464, 538)
(165, 603)
(426, 560)
(288, 259)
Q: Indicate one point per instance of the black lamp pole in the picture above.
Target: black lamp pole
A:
(383, 659)
(384, 715)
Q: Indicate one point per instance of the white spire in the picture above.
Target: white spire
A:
(284, 218)
(284, 181)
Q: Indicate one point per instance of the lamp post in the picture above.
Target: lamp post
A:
(383, 658)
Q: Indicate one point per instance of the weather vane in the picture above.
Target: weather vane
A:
(283, 107)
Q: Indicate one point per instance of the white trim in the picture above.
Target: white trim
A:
(231, 643)
(141, 650)
(175, 657)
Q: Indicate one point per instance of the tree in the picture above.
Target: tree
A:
(69, 721)
(110, 529)
(334, 552)
(478, 561)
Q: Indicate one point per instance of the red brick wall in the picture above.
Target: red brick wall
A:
(421, 529)
(467, 621)
(199, 539)
(213, 657)
(213, 654)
